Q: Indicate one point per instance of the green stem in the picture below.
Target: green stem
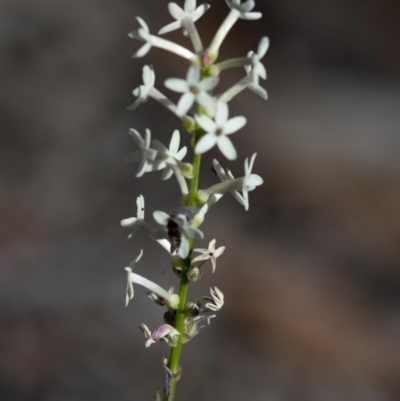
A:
(175, 356)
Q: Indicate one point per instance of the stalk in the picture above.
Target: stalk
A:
(175, 355)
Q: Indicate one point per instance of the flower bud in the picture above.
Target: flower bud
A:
(202, 196)
(169, 317)
(194, 274)
(187, 170)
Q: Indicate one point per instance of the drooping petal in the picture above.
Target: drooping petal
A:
(205, 143)
(226, 147)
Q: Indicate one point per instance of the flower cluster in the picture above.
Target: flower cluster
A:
(205, 117)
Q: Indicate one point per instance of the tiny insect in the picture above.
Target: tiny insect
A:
(173, 225)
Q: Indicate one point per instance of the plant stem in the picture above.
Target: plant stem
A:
(175, 355)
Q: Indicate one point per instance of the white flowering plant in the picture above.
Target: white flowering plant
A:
(205, 117)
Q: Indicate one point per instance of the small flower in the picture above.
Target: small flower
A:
(193, 89)
(257, 69)
(190, 11)
(244, 9)
(217, 131)
(251, 181)
(216, 299)
(210, 253)
(191, 328)
(144, 35)
(165, 333)
(145, 154)
(171, 300)
(142, 91)
(133, 223)
(172, 152)
(177, 228)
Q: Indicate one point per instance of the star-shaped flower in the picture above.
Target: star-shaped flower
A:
(193, 89)
(146, 154)
(210, 253)
(217, 131)
(133, 223)
(143, 34)
(257, 69)
(189, 11)
(177, 229)
(244, 9)
(165, 333)
(173, 152)
(250, 181)
(142, 91)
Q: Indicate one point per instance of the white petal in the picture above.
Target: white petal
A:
(190, 6)
(247, 6)
(143, 167)
(184, 247)
(146, 73)
(254, 180)
(234, 124)
(147, 138)
(185, 103)
(200, 10)
(221, 115)
(263, 47)
(220, 171)
(137, 258)
(136, 104)
(176, 85)
(175, 140)
(208, 83)
(143, 24)
(175, 11)
(194, 233)
(211, 245)
(161, 217)
(251, 16)
(137, 137)
(205, 122)
(261, 71)
(140, 207)
(129, 223)
(206, 101)
(157, 145)
(226, 147)
(205, 143)
(193, 75)
(181, 154)
(173, 26)
(218, 252)
(167, 173)
(258, 90)
(251, 164)
(143, 50)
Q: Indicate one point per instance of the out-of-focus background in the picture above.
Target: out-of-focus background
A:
(311, 272)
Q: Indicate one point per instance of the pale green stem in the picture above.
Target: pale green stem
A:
(175, 356)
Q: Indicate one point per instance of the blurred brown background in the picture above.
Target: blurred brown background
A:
(311, 272)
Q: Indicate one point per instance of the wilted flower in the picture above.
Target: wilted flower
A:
(216, 299)
(164, 332)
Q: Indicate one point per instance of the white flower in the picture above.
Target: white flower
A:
(177, 229)
(193, 89)
(146, 155)
(217, 131)
(190, 11)
(216, 299)
(142, 92)
(144, 35)
(257, 69)
(171, 300)
(210, 253)
(165, 333)
(172, 152)
(227, 177)
(244, 9)
(133, 223)
(250, 181)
